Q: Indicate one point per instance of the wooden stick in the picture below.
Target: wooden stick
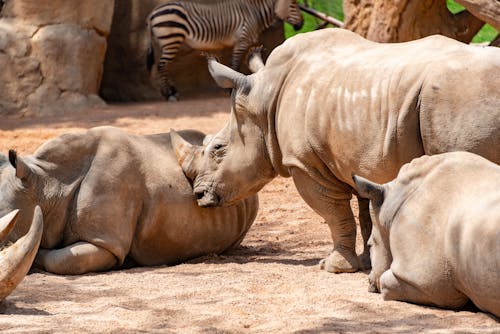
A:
(496, 41)
(322, 16)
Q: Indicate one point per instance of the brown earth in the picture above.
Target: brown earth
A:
(271, 284)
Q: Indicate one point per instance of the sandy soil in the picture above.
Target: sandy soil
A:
(271, 284)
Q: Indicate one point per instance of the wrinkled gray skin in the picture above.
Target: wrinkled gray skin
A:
(329, 104)
(436, 230)
(106, 194)
(16, 258)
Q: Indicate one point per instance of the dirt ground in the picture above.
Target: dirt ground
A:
(271, 284)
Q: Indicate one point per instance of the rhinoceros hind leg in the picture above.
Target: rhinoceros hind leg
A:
(365, 223)
(394, 288)
(343, 258)
(78, 258)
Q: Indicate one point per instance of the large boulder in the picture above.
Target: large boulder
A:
(88, 14)
(125, 75)
(52, 53)
(20, 75)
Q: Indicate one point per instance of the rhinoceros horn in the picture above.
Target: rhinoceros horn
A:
(226, 77)
(185, 153)
(16, 259)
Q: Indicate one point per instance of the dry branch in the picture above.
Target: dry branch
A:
(486, 10)
(496, 41)
(322, 16)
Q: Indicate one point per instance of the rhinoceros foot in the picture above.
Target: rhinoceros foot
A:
(340, 262)
(372, 286)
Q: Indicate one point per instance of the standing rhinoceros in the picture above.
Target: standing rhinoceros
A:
(106, 194)
(436, 232)
(16, 258)
(329, 104)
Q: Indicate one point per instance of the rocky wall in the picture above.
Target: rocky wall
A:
(52, 54)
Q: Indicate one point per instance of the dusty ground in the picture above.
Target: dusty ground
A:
(271, 284)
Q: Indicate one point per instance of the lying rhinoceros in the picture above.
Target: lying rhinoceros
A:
(329, 103)
(16, 258)
(436, 232)
(106, 194)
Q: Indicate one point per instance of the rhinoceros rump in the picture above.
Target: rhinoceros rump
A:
(436, 232)
(329, 104)
(106, 195)
(16, 258)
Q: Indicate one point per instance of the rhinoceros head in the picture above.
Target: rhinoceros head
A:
(17, 191)
(16, 258)
(289, 11)
(232, 164)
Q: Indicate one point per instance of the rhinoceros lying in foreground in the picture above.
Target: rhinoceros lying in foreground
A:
(16, 258)
(106, 194)
(436, 232)
(328, 104)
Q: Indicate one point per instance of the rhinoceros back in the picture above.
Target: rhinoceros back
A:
(380, 105)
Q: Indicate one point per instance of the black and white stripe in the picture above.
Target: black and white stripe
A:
(211, 26)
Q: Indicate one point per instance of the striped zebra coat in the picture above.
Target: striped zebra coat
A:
(211, 26)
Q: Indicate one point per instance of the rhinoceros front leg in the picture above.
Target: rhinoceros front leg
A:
(332, 202)
(75, 259)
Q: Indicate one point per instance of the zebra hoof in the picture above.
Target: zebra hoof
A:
(169, 93)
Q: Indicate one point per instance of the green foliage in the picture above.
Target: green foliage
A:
(486, 34)
(332, 8)
(454, 7)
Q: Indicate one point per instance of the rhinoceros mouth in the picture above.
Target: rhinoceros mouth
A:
(206, 198)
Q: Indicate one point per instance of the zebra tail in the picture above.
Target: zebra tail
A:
(150, 57)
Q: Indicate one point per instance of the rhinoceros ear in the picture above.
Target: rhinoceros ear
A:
(226, 77)
(22, 169)
(185, 152)
(373, 191)
(207, 139)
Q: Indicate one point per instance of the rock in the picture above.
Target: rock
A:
(89, 14)
(71, 57)
(49, 100)
(45, 95)
(52, 55)
(15, 37)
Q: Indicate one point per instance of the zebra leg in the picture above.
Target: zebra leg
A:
(168, 53)
(239, 52)
(167, 87)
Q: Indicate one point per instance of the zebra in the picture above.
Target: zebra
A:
(212, 26)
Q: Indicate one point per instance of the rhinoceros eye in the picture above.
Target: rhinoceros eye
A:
(218, 152)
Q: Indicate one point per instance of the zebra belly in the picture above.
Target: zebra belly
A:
(213, 45)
